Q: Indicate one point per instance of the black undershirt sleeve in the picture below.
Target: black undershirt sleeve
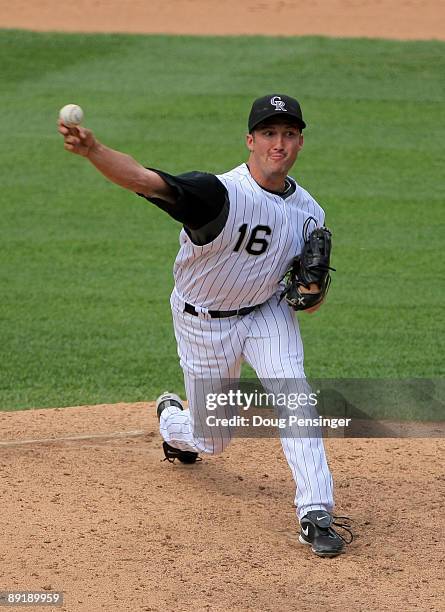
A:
(201, 199)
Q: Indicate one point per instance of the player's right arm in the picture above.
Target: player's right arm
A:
(118, 167)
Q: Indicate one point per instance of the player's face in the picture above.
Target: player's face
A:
(274, 148)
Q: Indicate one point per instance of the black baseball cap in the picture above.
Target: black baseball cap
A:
(275, 105)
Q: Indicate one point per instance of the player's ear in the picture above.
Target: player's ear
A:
(300, 142)
(249, 142)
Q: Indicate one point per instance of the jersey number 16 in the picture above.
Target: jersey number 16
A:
(254, 246)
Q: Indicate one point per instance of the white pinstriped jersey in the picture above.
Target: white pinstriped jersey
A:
(244, 265)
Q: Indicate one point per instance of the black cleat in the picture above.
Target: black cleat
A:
(316, 530)
(171, 453)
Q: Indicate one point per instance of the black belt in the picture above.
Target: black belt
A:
(219, 314)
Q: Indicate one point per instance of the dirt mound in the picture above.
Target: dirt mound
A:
(90, 508)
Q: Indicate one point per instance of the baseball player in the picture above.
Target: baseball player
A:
(241, 231)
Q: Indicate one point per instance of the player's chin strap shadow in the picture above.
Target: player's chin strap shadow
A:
(342, 525)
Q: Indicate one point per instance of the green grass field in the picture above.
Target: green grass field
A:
(86, 267)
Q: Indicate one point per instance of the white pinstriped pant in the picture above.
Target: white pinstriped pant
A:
(214, 349)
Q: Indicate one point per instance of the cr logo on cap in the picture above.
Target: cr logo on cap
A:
(278, 103)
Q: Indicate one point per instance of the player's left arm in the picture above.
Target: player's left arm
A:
(308, 280)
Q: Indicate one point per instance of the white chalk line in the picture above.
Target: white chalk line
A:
(99, 436)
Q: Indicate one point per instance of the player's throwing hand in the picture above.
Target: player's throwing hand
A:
(78, 140)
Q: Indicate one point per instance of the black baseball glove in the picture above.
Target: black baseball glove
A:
(308, 280)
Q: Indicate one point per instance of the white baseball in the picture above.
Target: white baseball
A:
(71, 115)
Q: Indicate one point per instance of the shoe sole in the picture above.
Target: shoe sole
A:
(319, 554)
(186, 457)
